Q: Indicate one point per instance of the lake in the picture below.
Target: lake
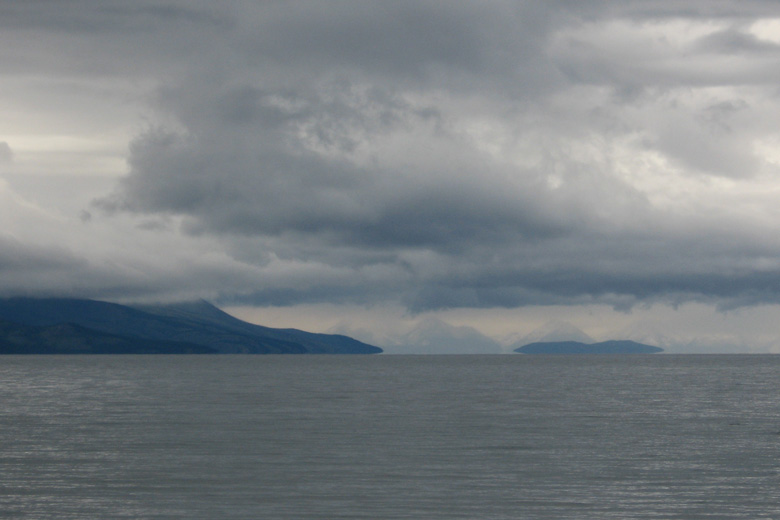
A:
(390, 437)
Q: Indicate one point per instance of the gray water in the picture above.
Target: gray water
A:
(390, 437)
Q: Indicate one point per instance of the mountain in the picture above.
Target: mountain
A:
(556, 330)
(68, 338)
(435, 336)
(576, 347)
(179, 326)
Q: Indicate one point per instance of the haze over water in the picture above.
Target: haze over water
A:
(390, 437)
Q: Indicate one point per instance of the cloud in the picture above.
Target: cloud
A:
(6, 155)
(435, 155)
(455, 156)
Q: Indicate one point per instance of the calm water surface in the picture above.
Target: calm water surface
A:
(390, 437)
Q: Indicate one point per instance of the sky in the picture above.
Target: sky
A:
(411, 173)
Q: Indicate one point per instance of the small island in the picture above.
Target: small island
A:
(576, 347)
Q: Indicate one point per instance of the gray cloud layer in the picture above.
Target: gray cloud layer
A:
(447, 154)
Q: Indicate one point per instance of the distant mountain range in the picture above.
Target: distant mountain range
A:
(435, 336)
(75, 326)
(555, 330)
(576, 347)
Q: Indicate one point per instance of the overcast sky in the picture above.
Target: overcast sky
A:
(368, 166)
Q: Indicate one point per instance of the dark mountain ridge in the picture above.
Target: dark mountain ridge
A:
(67, 338)
(576, 347)
(193, 324)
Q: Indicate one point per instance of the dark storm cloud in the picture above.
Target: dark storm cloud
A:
(314, 164)
(268, 190)
(86, 39)
(440, 154)
(108, 17)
